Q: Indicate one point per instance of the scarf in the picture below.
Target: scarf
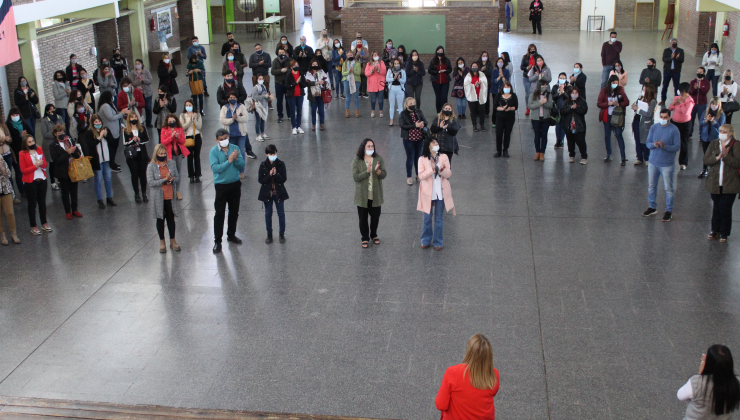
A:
(52, 117)
(18, 125)
(351, 80)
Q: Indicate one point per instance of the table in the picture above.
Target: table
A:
(271, 21)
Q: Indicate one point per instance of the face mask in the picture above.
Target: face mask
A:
(507, 90)
(435, 149)
(231, 58)
(613, 39)
(223, 143)
(283, 42)
(714, 107)
(60, 136)
(412, 108)
(533, 52)
(415, 57)
(484, 59)
(663, 122)
(61, 79)
(166, 61)
(574, 96)
(376, 58)
(543, 89)
(396, 67)
(614, 85)
(351, 58)
(617, 68)
(161, 158)
(500, 64)
(228, 81)
(728, 78)
(24, 83)
(172, 124)
(303, 43)
(138, 67)
(84, 77)
(336, 45)
(314, 67)
(296, 68)
(714, 51)
(32, 146)
(98, 126)
(723, 136)
(650, 66)
(195, 43)
(474, 70)
(189, 108)
(282, 56)
(126, 89)
(134, 122)
(699, 75)
(81, 110)
(117, 55)
(369, 152)
(194, 60)
(561, 81)
(273, 158)
(259, 52)
(15, 118)
(105, 72)
(576, 70)
(674, 46)
(447, 113)
(389, 45)
(461, 65)
(440, 54)
(231, 40)
(232, 101)
(73, 61)
(161, 96)
(261, 82)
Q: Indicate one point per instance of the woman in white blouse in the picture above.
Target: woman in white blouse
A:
(712, 61)
(715, 392)
(191, 122)
(727, 93)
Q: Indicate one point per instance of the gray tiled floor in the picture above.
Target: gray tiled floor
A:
(594, 311)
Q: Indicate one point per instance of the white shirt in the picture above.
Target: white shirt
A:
(613, 99)
(731, 91)
(40, 173)
(437, 185)
(686, 392)
(716, 58)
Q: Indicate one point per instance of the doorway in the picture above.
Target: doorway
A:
(606, 8)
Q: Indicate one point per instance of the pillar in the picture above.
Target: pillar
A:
(138, 25)
(29, 50)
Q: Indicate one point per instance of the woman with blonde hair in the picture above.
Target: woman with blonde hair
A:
(162, 177)
(468, 388)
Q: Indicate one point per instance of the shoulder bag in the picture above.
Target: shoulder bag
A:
(80, 169)
(196, 86)
(617, 117)
(730, 107)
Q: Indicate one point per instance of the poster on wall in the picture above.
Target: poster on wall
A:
(164, 24)
(9, 51)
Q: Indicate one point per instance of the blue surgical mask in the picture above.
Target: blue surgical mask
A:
(576, 70)
(507, 90)
(561, 81)
(272, 158)
(195, 43)
(614, 85)
(189, 108)
(98, 126)
(663, 122)
(232, 101)
(15, 118)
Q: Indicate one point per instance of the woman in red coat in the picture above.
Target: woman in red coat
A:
(612, 98)
(468, 389)
(33, 167)
(129, 95)
(173, 137)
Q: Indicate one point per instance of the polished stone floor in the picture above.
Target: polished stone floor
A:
(593, 310)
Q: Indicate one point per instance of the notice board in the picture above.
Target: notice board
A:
(424, 32)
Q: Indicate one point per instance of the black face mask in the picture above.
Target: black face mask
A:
(296, 68)
(60, 79)
(314, 67)
(650, 66)
(231, 40)
(674, 46)
(32, 146)
(228, 81)
(172, 124)
(282, 56)
(440, 54)
(412, 108)
(532, 52)
(699, 75)
(161, 158)
(60, 136)
(447, 113)
(474, 70)
(161, 96)
(351, 58)
(134, 121)
(728, 78)
(116, 55)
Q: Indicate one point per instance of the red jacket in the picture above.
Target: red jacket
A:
(603, 101)
(698, 92)
(27, 166)
(122, 100)
(168, 140)
(457, 399)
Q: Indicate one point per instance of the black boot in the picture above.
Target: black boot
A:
(268, 240)
(137, 198)
(197, 180)
(192, 179)
(145, 198)
(111, 202)
(101, 204)
(282, 238)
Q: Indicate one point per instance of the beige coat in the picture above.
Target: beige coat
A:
(426, 184)
(241, 118)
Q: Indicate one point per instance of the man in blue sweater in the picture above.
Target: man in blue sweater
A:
(664, 141)
(199, 51)
(226, 162)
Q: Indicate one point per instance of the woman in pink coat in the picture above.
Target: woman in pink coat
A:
(434, 193)
(375, 72)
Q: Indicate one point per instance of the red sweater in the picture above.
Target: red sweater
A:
(122, 100)
(457, 399)
(27, 166)
(168, 139)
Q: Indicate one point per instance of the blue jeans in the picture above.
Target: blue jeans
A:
(148, 109)
(667, 77)
(559, 134)
(376, 97)
(697, 112)
(355, 95)
(462, 105)
(317, 105)
(395, 99)
(429, 237)
(280, 95)
(413, 153)
(714, 79)
(259, 124)
(641, 150)
(605, 75)
(508, 23)
(667, 173)
(441, 92)
(608, 138)
(338, 81)
(243, 143)
(103, 174)
(280, 205)
(295, 108)
(540, 135)
(527, 87)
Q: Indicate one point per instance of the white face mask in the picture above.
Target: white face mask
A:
(376, 58)
(126, 89)
(461, 65)
(714, 107)
(613, 40)
(336, 45)
(369, 152)
(223, 143)
(663, 122)
(81, 110)
(262, 82)
(166, 61)
(499, 64)
(435, 149)
(389, 45)
(561, 81)
(138, 67)
(723, 136)
(484, 59)
(189, 108)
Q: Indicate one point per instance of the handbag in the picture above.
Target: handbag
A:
(458, 92)
(190, 141)
(730, 107)
(131, 152)
(196, 86)
(617, 117)
(36, 113)
(80, 169)
(326, 96)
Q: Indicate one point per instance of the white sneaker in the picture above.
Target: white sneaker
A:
(54, 186)
(583, 161)
(265, 136)
(295, 132)
(683, 167)
(259, 138)
(572, 159)
(300, 130)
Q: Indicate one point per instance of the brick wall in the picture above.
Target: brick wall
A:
(13, 71)
(185, 22)
(564, 15)
(106, 34)
(329, 9)
(79, 41)
(730, 62)
(694, 32)
(468, 28)
(287, 10)
(124, 38)
(151, 36)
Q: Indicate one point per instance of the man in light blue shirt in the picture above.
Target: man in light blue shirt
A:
(199, 51)
(226, 162)
(664, 141)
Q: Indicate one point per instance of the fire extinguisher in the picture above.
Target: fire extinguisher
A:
(726, 28)
(153, 24)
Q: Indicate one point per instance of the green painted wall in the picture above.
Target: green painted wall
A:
(516, 9)
(229, 11)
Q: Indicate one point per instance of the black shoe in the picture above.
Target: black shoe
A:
(192, 180)
(559, 145)
(217, 248)
(667, 216)
(624, 162)
(280, 119)
(206, 93)
(482, 128)
(111, 202)
(251, 156)
(149, 125)
(268, 240)
(649, 212)
(101, 204)
(475, 128)
(497, 154)
(703, 174)
(282, 239)
(506, 153)
(234, 239)
(116, 169)
(137, 198)
(463, 117)
(197, 180)
(145, 198)
(608, 159)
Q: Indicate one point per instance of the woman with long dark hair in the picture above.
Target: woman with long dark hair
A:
(439, 71)
(715, 392)
(505, 105)
(722, 157)
(611, 98)
(540, 102)
(643, 120)
(573, 123)
(526, 65)
(368, 172)
(27, 101)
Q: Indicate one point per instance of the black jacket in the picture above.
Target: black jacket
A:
(578, 114)
(446, 138)
(415, 77)
(524, 64)
(433, 72)
(498, 101)
(168, 79)
(226, 48)
(119, 65)
(264, 68)
(288, 49)
(143, 139)
(581, 84)
(535, 13)
(84, 90)
(68, 71)
(16, 140)
(677, 62)
(26, 105)
(89, 145)
(266, 180)
(223, 92)
(406, 123)
(290, 84)
(303, 62)
(60, 157)
(654, 75)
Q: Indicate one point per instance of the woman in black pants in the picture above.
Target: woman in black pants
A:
(62, 150)
(135, 138)
(191, 122)
(505, 105)
(573, 123)
(439, 71)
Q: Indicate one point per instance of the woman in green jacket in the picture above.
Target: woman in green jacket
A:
(352, 79)
(196, 71)
(723, 183)
(368, 171)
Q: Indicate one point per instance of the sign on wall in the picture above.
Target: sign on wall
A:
(9, 51)
(164, 24)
